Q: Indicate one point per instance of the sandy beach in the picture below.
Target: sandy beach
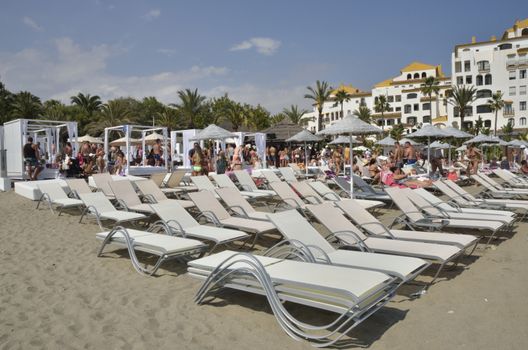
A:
(56, 294)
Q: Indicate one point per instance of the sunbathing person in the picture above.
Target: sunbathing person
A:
(396, 177)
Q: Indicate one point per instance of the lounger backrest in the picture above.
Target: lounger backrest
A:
(448, 191)
(270, 176)
(362, 185)
(223, 180)
(404, 203)
(53, 190)
(97, 200)
(490, 181)
(285, 192)
(245, 179)
(459, 190)
(307, 192)
(148, 187)
(206, 201)
(483, 182)
(176, 178)
(360, 216)
(293, 225)
(124, 191)
(79, 186)
(334, 219)
(343, 183)
(232, 197)
(288, 174)
(428, 196)
(102, 182)
(320, 188)
(203, 183)
(174, 211)
(158, 178)
(505, 174)
(421, 202)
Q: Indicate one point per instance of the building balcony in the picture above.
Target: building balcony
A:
(508, 113)
(511, 63)
(484, 69)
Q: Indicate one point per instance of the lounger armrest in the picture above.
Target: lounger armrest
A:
(73, 194)
(286, 249)
(246, 188)
(344, 194)
(163, 225)
(288, 200)
(150, 198)
(376, 223)
(430, 224)
(176, 228)
(507, 186)
(234, 209)
(122, 204)
(209, 215)
(317, 200)
(331, 194)
(455, 205)
(349, 234)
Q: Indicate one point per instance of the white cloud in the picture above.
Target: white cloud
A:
(31, 23)
(265, 46)
(152, 14)
(167, 52)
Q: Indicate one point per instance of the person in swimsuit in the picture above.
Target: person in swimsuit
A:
(157, 152)
(410, 153)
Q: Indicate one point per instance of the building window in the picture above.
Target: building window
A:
(398, 109)
(483, 66)
(508, 109)
(411, 96)
(409, 76)
(512, 75)
(487, 79)
(505, 46)
(426, 119)
(512, 91)
(398, 98)
(416, 76)
(458, 67)
(522, 105)
(390, 121)
(407, 109)
(416, 107)
(522, 121)
(511, 121)
(522, 90)
(424, 75)
(469, 79)
(522, 74)
(426, 107)
(483, 109)
(469, 111)
(390, 98)
(411, 120)
(480, 80)
(467, 66)
(487, 123)
(484, 93)
(460, 80)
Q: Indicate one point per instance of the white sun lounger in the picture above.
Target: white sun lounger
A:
(97, 204)
(160, 180)
(511, 179)
(102, 182)
(222, 180)
(492, 192)
(413, 217)
(489, 202)
(177, 220)
(78, 186)
(53, 194)
(270, 176)
(294, 227)
(353, 294)
(506, 188)
(288, 174)
(343, 231)
(213, 211)
(239, 205)
(203, 183)
(154, 194)
(127, 197)
(247, 183)
(373, 226)
(165, 247)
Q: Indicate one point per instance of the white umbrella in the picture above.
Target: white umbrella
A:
(454, 132)
(88, 138)
(517, 143)
(342, 140)
(213, 132)
(350, 125)
(361, 148)
(461, 148)
(151, 138)
(440, 145)
(481, 138)
(122, 142)
(412, 142)
(388, 141)
(429, 131)
(304, 136)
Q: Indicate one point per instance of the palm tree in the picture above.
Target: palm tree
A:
(191, 105)
(294, 114)
(113, 113)
(54, 110)
(397, 132)
(363, 113)
(461, 97)
(26, 105)
(89, 104)
(430, 87)
(381, 105)
(235, 114)
(319, 95)
(341, 97)
(507, 130)
(496, 103)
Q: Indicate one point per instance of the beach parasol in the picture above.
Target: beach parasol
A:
(88, 138)
(151, 138)
(412, 142)
(304, 136)
(429, 131)
(454, 132)
(122, 142)
(342, 140)
(213, 132)
(350, 125)
(388, 141)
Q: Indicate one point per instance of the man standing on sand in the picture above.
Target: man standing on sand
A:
(31, 159)
(398, 154)
(410, 153)
(156, 149)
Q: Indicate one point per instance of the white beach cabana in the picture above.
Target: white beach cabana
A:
(304, 136)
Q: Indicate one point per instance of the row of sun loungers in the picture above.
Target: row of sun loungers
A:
(352, 282)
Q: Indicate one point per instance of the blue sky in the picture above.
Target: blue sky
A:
(263, 52)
